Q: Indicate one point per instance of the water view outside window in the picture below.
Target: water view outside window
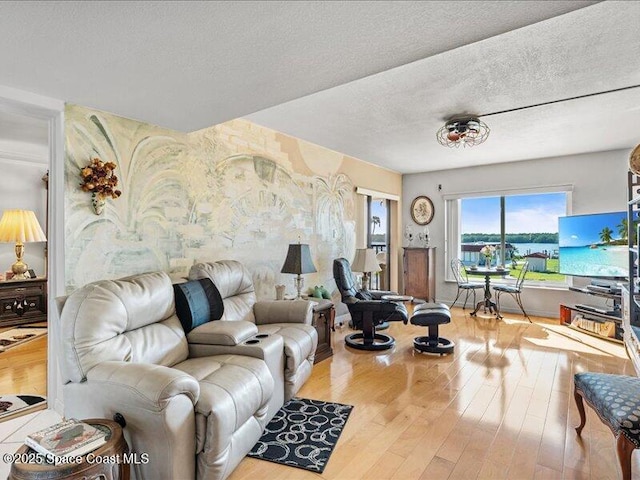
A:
(531, 232)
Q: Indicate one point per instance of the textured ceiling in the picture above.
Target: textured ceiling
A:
(391, 118)
(374, 80)
(189, 65)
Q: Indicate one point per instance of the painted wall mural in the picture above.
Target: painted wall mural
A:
(233, 191)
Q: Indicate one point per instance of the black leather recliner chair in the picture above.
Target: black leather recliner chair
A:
(367, 310)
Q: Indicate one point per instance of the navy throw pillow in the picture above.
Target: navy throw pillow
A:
(364, 295)
(197, 302)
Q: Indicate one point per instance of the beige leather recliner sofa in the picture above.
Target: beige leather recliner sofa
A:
(289, 319)
(125, 351)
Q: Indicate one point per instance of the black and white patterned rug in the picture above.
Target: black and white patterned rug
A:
(302, 434)
(12, 404)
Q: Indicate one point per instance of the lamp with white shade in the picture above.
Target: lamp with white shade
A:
(20, 226)
(366, 262)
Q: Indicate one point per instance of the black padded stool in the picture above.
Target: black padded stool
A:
(432, 315)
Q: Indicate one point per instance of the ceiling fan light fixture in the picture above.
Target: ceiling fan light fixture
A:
(466, 131)
(453, 136)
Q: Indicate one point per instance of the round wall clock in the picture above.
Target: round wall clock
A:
(422, 210)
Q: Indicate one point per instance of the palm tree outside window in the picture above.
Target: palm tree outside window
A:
(378, 238)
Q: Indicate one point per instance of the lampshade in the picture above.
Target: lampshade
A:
(298, 259)
(20, 226)
(365, 261)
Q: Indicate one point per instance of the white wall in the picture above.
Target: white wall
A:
(599, 185)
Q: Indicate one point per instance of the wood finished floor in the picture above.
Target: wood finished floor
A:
(500, 407)
(23, 368)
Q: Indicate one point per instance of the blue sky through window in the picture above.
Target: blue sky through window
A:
(535, 213)
(379, 209)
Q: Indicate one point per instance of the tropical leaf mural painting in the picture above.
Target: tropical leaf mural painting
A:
(199, 197)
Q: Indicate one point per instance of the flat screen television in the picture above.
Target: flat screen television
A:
(594, 245)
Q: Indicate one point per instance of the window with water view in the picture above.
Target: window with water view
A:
(530, 232)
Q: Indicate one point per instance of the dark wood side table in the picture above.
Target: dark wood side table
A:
(106, 467)
(324, 315)
(23, 301)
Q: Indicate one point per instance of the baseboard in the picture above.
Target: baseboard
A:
(516, 310)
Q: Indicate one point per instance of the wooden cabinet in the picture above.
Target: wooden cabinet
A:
(323, 318)
(23, 301)
(420, 273)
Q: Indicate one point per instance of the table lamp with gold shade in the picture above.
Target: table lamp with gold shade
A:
(20, 226)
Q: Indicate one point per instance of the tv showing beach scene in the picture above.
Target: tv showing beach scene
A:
(594, 245)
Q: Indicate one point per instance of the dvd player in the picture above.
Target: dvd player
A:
(599, 288)
(603, 311)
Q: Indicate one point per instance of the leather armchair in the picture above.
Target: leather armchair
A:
(367, 310)
(288, 319)
(124, 351)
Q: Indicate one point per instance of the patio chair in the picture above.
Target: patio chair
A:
(464, 285)
(514, 290)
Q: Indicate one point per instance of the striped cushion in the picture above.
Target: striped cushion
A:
(197, 302)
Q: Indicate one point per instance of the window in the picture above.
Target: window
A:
(377, 220)
(379, 238)
(521, 226)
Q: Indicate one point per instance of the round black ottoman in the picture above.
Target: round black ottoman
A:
(432, 315)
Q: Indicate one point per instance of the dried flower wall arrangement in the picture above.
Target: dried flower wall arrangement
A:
(98, 178)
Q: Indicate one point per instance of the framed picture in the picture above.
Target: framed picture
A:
(422, 210)
(31, 273)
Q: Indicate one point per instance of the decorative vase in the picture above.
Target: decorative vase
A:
(98, 203)
(487, 262)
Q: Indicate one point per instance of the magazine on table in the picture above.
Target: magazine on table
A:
(69, 438)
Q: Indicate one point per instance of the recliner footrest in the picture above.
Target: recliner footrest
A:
(432, 315)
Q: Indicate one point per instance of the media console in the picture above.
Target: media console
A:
(603, 322)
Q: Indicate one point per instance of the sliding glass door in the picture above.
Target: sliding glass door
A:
(379, 238)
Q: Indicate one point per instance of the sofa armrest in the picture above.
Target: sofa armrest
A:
(144, 385)
(221, 332)
(283, 311)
